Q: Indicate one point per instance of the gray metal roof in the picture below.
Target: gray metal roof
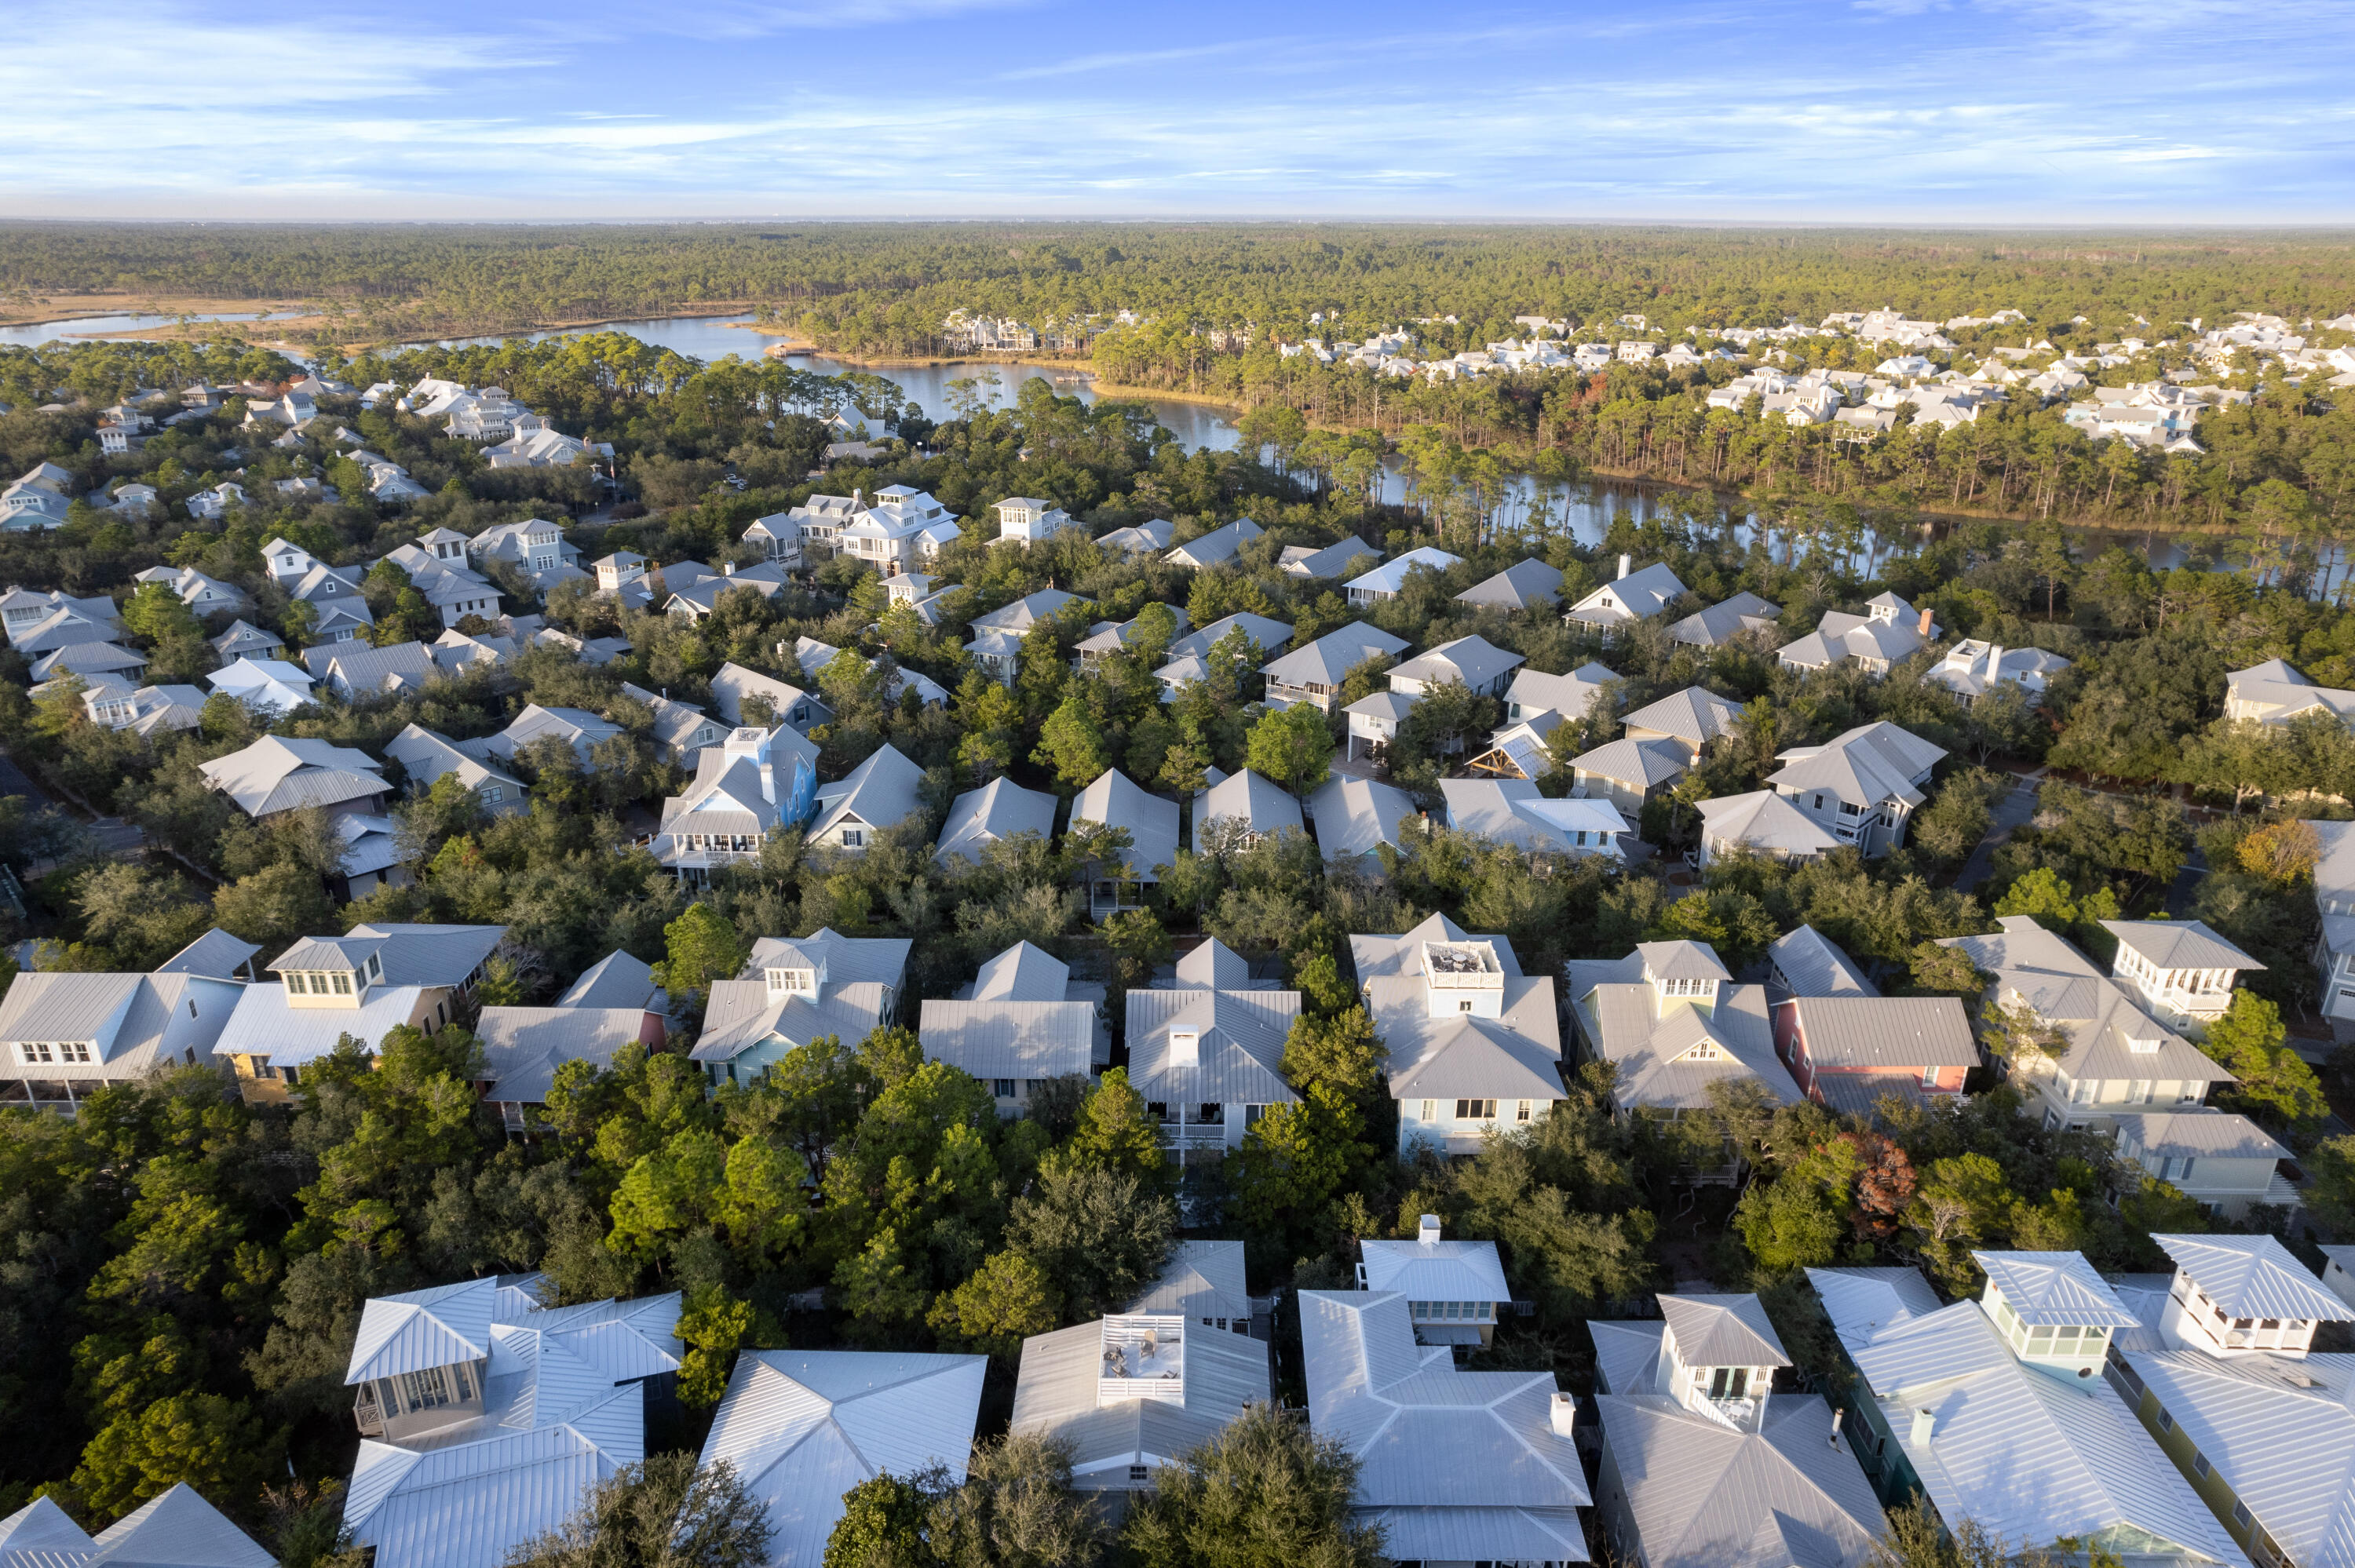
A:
(1703, 1495)
(276, 774)
(473, 1504)
(1695, 715)
(1668, 1053)
(215, 954)
(1681, 960)
(418, 954)
(1518, 587)
(1440, 1270)
(1642, 763)
(1258, 803)
(1021, 973)
(1332, 656)
(2253, 1277)
(1010, 1039)
(1214, 966)
(1474, 660)
(363, 669)
(1516, 1057)
(1810, 966)
(617, 979)
(1118, 801)
(1241, 1053)
(2279, 1432)
(2054, 1288)
(1201, 1279)
(880, 792)
(1055, 1395)
(524, 1047)
(1864, 766)
(1355, 815)
(1375, 956)
(1637, 595)
(2029, 1455)
(2203, 1131)
(1885, 1031)
(264, 1025)
(1221, 544)
(1765, 821)
(803, 1427)
(1000, 809)
(1722, 1330)
(177, 1528)
(1272, 635)
(1459, 1465)
(742, 1013)
(2180, 945)
(1723, 621)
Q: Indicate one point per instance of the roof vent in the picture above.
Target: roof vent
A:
(1429, 1234)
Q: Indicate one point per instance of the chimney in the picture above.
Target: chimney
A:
(1429, 1233)
(1995, 659)
(1923, 1423)
(1564, 1414)
(1839, 1415)
(1625, 562)
(726, 568)
(1924, 627)
(1186, 1047)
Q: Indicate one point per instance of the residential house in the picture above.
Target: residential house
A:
(113, 702)
(535, 546)
(1115, 800)
(65, 1034)
(617, 979)
(899, 531)
(545, 448)
(681, 729)
(1887, 633)
(578, 727)
(1847, 1052)
(1217, 547)
(754, 783)
(365, 983)
(814, 656)
(1143, 539)
(1128, 1394)
(1801, 963)
(89, 660)
(1202, 1280)
(1313, 673)
(2219, 1160)
(1027, 522)
(1974, 667)
(2097, 1053)
(1208, 1061)
(2181, 970)
(1862, 787)
(1189, 654)
(487, 1417)
(1330, 563)
(1386, 580)
(622, 575)
(1704, 1465)
(1511, 811)
(1691, 720)
(2225, 1382)
(37, 499)
(1472, 662)
(1670, 1019)
(801, 1428)
(216, 955)
(1632, 597)
(1355, 817)
(205, 506)
(341, 611)
(38, 622)
(999, 810)
(997, 645)
(1240, 809)
(271, 686)
(1454, 1289)
(454, 652)
(174, 1529)
(1475, 1044)
(1524, 585)
(276, 775)
(203, 595)
(354, 671)
(2334, 946)
(1625, 773)
(797, 989)
(243, 639)
(881, 792)
(1022, 1021)
(1760, 822)
(1453, 1466)
(424, 756)
(1743, 615)
(1995, 1411)
(1373, 722)
(2338, 1272)
(524, 1047)
(1110, 637)
(1536, 705)
(817, 524)
(788, 704)
(2273, 693)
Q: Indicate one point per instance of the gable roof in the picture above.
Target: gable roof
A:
(1356, 815)
(177, 1529)
(1332, 656)
(276, 774)
(1272, 635)
(1011, 1039)
(524, 1047)
(1814, 967)
(1765, 821)
(1516, 1056)
(803, 1427)
(1330, 561)
(1055, 1395)
(1474, 660)
(1202, 1278)
(416, 1329)
(1724, 620)
(1239, 1057)
(2180, 945)
(1117, 800)
(1219, 545)
(1695, 715)
(1885, 1031)
(880, 792)
(1637, 596)
(1246, 797)
(1392, 575)
(1863, 766)
(1668, 1055)
(1000, 809)
(2253, 1277)
(1521, 585)
(1639, 762)
(1377, 955)
(215, 954)
(617, 979)
(1704, 1495)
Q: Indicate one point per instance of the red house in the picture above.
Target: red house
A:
(1846, 1052)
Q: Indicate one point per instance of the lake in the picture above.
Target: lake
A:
(35, 333)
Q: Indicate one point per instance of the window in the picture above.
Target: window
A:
(2199, 1466)
(1521, 1110)
(1464, 1006)
(2083, 1091)
(2241, 1515)
(1475, 1111)
(1003, 1089)
(852, 838)
(34, 1050)
(494, 793)
(73, 1051)
(1819, 802)
(2166, 1420)
(1136, 1472)
(1430, 1110)
(343, 983)
(2138, 1091)
(1929, 1078)
(1729, 1382)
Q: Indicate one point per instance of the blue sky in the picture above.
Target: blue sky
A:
(1861, 110)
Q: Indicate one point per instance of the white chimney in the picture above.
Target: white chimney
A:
(1565, 1413)
(1625, 564)
(1839, 1415)
(1923, 1423)
(1186, 1047)
(1995, 659)
(726, 568)
(1429, 1234)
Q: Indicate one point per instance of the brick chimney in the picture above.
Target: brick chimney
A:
(1924, 627)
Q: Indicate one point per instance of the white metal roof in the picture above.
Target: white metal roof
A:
(1812, 967)
(438, 1327)
(2054, 1288)
(1704, 1495)
(2253, 1277)
(802, 1427)
(2281, 1433)
(177, 1529)
(1202, 1278)
(1439, 1270)
(1730, 1330)
(1057, 1396)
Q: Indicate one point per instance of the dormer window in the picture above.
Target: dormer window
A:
(342, 981)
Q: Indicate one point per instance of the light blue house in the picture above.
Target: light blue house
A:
(795, 989)
(748, 787)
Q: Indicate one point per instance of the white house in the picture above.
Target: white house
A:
(1455, 1289)
(1021, 1021)
(998, 810)
(66, 1036)
(1218, 546)
(2183, 971)
(1511, 811)
(1475, 1045)
(1208, 1061)
(1974, 667)
(1025, 520)
(1861, 786)
(881, 792)
(1313, 673)
(1115, 800)
(2334, 946)
(1385, 580)
(1128, 1394)
(1887, 632)
(1633, 596)
(797, 989)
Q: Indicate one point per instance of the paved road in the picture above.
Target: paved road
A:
(2009, 813)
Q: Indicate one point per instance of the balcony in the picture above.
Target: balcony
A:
(1182, 1135)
